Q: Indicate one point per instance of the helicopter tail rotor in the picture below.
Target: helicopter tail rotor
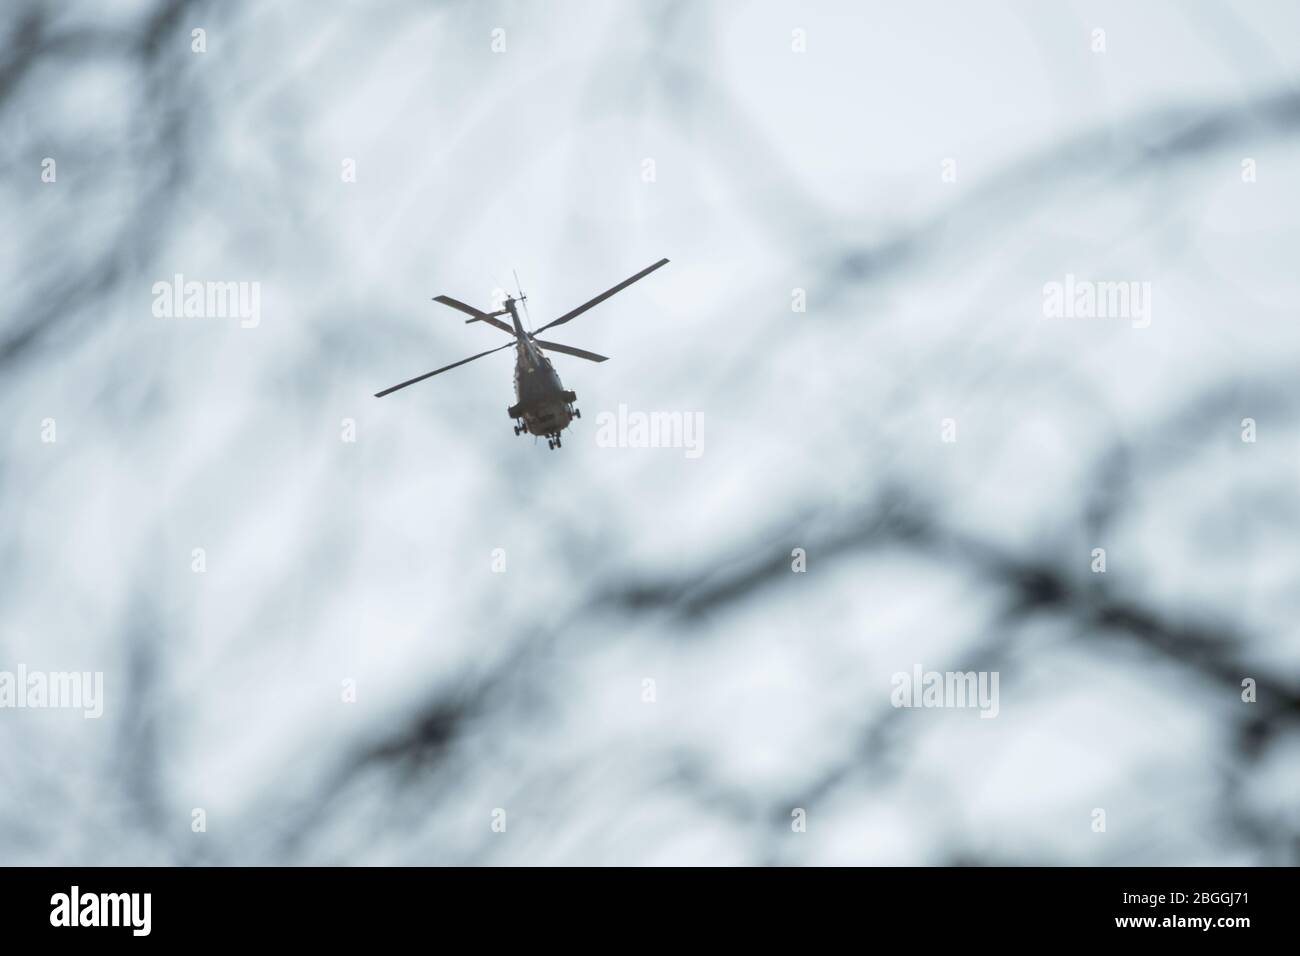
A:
(524, 299)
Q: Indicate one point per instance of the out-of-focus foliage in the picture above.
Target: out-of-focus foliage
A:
(580, 144)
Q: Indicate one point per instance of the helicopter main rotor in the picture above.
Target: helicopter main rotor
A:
(491, 318)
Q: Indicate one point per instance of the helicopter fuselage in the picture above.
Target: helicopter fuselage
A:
(542, 405)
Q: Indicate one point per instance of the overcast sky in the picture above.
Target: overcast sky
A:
(340, 629)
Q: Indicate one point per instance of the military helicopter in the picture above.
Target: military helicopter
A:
(542, 404)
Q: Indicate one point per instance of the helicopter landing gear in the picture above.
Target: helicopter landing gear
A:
(519, 429)
(577, 413)
(553, 442)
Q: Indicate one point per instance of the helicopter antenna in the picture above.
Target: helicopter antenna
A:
(524, 299)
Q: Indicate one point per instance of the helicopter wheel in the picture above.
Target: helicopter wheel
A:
(550, 443)
(577, 413)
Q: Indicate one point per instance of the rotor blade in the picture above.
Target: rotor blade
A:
(470, 310)
(603, 296)
(460, 306)
(570, 350)
(421, 378)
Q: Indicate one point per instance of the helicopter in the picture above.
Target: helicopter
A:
(543, 406)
